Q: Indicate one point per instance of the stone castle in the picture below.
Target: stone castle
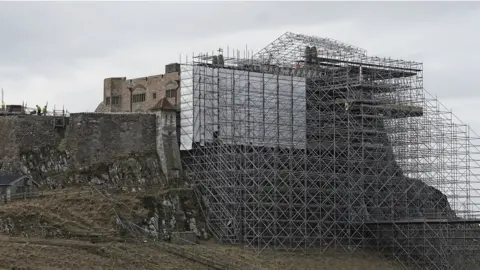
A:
(349, 177)
(90, 146)
(143, 94)
(111, 148)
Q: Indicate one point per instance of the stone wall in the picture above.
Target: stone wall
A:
(21, 133)
(8, 144)
(117, 151)
(110, 149)
(99, 138)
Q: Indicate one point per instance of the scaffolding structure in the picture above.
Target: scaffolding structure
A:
(312, 145)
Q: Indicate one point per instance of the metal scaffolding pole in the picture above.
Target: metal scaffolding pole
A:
(330, 149)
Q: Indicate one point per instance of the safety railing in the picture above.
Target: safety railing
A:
(34, 111)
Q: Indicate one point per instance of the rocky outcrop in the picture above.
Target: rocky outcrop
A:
(113, 152)
(52, 167)
(174, 211)
(86, 213)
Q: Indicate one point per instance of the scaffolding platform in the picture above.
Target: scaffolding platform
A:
(394, 110)
(422, 221)
(60, 118)
(355, 85)
(287, 166)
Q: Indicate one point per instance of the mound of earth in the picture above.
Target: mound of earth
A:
(88, 212)
(57, 229)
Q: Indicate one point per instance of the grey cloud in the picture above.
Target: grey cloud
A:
(39, 31)
(53, 39)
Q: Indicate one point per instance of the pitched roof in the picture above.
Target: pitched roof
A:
(6, 180)
(163, 104)
(289, 48)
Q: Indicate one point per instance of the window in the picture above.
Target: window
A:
(171, 89)
(154, 95)
(115, 100)
(107, 101)
(171, 93)
(138, 98)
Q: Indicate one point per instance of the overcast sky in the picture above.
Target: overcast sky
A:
(61, 52)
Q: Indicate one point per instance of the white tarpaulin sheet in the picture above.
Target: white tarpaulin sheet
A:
(241, 107)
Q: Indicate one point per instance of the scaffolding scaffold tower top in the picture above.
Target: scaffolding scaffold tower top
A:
(286, 51)
(293, 50)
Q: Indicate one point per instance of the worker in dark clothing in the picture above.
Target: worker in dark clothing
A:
(39, 110)
(45, 110)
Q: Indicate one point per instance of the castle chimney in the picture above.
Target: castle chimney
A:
(313, 53)
(308, 56)
(221, 61)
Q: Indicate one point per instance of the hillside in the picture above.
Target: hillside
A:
(77, 229)
(67, 254)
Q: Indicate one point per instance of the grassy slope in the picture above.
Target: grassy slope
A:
(64, 254)
(77, 212)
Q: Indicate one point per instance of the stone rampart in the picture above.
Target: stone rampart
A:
(114, 149)
(111, 150)
(93, 138)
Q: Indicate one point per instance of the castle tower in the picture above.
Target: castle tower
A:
(167, 143)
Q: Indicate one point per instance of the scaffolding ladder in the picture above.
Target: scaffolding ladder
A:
(59, 118)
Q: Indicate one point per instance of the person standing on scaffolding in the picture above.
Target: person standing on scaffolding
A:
(45, 110)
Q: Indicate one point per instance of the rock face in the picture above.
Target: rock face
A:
(110, 151)
(54, 168)
(177, 210)
(74, 213)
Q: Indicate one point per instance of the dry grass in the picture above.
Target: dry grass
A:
(77, 211)
(37, 253)
(291, 260)
(65, 254)
(73, 211)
